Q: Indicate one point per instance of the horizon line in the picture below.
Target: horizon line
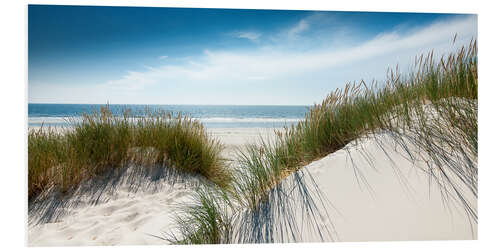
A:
(172, 104)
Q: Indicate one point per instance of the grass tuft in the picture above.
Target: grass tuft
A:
(103, 141)
(207, 220)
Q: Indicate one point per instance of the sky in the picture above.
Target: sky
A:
(146, 55)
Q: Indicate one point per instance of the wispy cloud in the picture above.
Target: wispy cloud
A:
(250, 35)
(301, 26)
(162, 57)
(134, 80)
(274, 65)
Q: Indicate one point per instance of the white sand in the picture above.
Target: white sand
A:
(235, 138)
(394, 210)
(123, 216)
(386, 199)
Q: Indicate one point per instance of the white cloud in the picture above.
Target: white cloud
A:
(162, 57)
(269, 62)
(272, 67)
(134, 80)
(297, 29)
(250, 35)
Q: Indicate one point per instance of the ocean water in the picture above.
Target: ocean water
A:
(212, 116)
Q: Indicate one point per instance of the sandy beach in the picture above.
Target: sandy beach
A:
(125, 210)
(373, 198)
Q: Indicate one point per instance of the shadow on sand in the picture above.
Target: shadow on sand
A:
(52, 205)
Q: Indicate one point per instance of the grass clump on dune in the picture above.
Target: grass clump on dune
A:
(208, 219)
(182, 142)
(433, 109)
(399, 106)
(103, 141)
(47, 150)
(450, 86)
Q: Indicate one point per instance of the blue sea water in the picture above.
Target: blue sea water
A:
(212, 116)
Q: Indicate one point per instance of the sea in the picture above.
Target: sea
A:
(212, 116)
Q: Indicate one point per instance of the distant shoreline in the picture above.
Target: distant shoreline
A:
(212, 116)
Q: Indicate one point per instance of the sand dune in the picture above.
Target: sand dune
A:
(122, 212)
(373, 197)
(123, 209)
(380, 195)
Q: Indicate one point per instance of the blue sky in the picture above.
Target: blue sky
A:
(131, 55)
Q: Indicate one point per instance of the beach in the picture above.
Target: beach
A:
(249, 126)
(375, 195)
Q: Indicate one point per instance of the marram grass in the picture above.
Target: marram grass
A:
(103, 141)
(433, 108)
(208, 219)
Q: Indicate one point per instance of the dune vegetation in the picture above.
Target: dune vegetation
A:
(432, 108)
(102, 141)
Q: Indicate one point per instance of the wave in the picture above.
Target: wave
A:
(53, 120)
(67, 120)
